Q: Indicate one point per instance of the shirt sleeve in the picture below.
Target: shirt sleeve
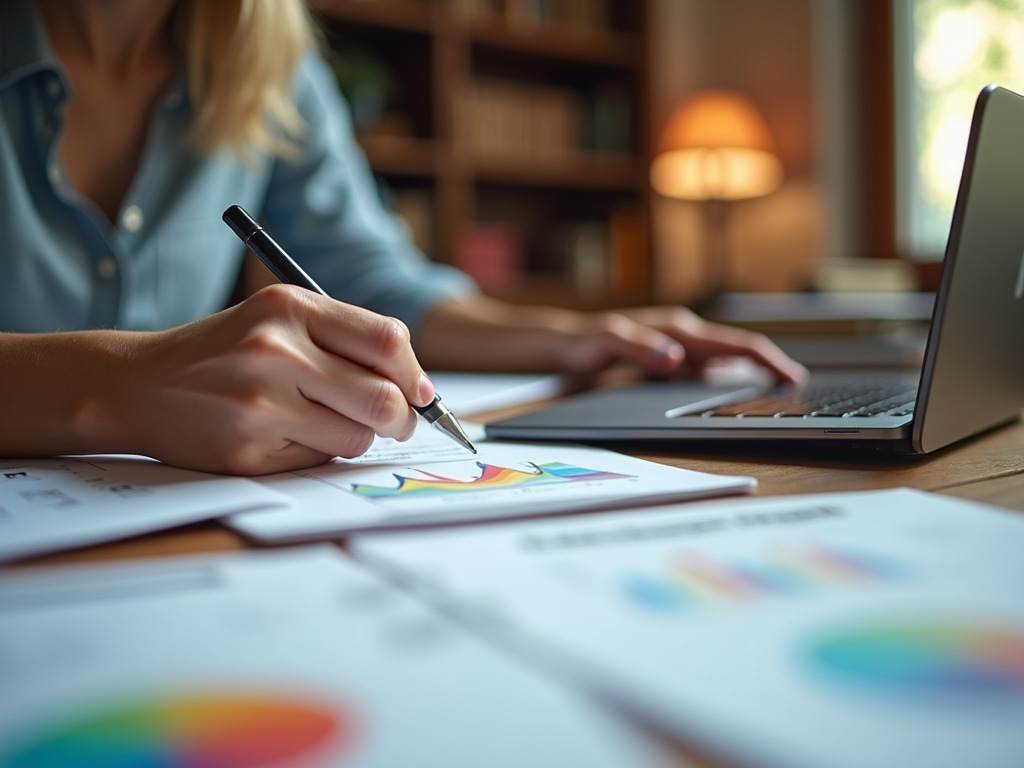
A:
(324, 208)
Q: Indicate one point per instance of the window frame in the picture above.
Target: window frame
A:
(878, 146)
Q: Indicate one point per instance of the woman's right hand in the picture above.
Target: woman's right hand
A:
(284, 380)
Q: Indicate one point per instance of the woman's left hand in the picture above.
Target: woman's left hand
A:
(673, 340)
(479, 333)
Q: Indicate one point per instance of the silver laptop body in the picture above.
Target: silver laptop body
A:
(972, 378)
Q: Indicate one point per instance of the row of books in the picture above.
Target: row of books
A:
(507, 119)
(499, 118)
(598, 258)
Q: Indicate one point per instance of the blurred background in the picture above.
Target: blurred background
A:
(600, 153)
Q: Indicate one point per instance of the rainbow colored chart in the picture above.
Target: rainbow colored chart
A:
(203, 731)
(692, 579)
(938, 661)
(490, 478)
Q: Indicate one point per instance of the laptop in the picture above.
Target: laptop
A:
(971, 380)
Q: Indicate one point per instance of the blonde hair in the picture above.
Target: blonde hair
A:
(240, 56)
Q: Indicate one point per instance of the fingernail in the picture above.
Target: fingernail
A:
(669, 352)
(426, 390)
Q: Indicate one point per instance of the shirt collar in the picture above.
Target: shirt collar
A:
(25, 49)
(24, 44)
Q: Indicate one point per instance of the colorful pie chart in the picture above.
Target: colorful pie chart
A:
(940, 661)
(197, 731)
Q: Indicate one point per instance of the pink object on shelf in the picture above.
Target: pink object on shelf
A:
(490, 254)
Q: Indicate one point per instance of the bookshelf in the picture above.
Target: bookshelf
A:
(511, 135)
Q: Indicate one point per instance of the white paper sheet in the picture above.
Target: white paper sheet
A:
(431, 479)
(54, 504)
(469, 394)
(427, 444)
(872, 630)
(292, 658)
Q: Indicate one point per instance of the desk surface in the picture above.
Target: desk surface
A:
(988, 468)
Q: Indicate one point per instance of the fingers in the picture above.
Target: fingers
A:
(705, 340)
(290, 371)
(614, 337)
(290, 457)
(320, 430)
(378, 343)
(283, 380)
(661, 339)
(354, 361)
(765, 352)
(256, 438)
(361, 396)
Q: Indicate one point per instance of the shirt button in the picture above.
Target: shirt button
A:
(107, 267)
(132, 218)
(56, 177)
(53, 87)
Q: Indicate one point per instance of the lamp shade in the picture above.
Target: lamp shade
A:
(716, 146)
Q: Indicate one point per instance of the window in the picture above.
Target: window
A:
(945, 52)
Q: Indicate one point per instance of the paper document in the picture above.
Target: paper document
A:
(873, 630)
(267, 660)
(427, 444)
(430, 480)
(468, 394)
(53, 504)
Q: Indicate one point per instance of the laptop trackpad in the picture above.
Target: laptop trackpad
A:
(717, 399)
(630, 406)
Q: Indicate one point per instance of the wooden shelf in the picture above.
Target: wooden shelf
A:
(580, 173)
(552, 291)
(410, 15)
(416, 157)
(559, 42)
(400, 155)
(532, 134)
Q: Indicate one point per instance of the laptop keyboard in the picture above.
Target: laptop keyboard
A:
(852, 401)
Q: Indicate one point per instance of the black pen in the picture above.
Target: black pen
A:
(287, 271)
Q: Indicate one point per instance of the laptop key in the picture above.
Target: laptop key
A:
(857, 401)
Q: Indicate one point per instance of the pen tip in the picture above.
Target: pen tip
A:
(447, 424)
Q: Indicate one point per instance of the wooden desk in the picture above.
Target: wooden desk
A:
(989, 468)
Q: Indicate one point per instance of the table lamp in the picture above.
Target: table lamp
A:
(716, 149)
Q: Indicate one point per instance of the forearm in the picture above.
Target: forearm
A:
(285, 379)
(65, 392)
(483, 334)
(487, 335)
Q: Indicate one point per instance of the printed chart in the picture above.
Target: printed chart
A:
(288, 659)
(193, 731)
(502, 480)
(872, 630)
(940, 661)
(421, 483)
(691, 580)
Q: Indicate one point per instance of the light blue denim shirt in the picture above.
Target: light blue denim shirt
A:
(168, 258)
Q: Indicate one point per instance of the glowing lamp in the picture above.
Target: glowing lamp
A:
(716, 146)
(715, 149)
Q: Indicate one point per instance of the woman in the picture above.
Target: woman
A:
(126, 128)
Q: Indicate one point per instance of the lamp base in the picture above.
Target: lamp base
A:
(717, 254)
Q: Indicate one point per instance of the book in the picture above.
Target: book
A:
(505, 119)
